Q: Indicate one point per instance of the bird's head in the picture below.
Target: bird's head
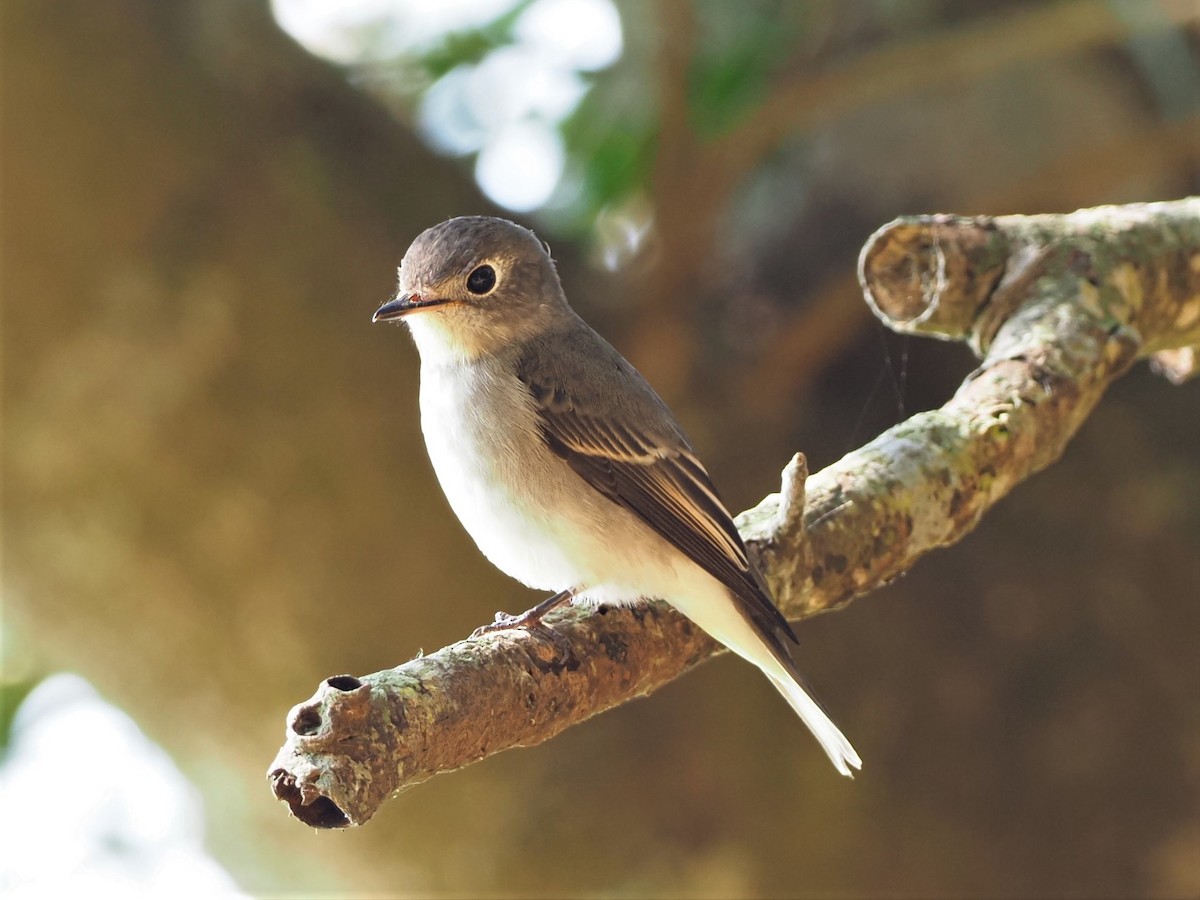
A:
(473, 285)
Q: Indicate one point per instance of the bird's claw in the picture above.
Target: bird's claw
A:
(527, 621)
(505, 622)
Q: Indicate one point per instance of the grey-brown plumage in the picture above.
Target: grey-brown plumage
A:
(634, 453)
(561, 461)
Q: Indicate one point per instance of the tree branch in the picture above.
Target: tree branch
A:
(819, 331)
(1057, 306)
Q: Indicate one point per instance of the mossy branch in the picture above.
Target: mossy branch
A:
(1057, 307)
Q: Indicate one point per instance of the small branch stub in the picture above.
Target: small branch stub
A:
(1178, 365)
(936, 267)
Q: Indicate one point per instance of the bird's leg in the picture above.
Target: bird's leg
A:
(531, 620)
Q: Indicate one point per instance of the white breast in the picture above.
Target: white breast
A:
(481, 431)
(530, 514)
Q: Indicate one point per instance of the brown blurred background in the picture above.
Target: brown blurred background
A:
(215, 492)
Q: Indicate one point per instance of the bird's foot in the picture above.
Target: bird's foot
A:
(531, 621)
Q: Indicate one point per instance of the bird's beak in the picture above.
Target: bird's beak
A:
(402, 304)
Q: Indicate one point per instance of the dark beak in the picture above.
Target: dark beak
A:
(403, 304)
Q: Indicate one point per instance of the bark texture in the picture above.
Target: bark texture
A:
(1057, 307)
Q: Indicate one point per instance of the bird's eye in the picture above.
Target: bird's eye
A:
(481, 280)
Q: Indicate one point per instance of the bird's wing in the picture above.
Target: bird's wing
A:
(652, 472)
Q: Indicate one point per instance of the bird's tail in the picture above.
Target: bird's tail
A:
(720, 615)
(830, 737)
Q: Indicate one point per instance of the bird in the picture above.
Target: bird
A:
(563, 464)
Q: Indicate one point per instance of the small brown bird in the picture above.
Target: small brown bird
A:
(563, 463)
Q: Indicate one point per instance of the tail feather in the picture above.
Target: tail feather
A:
(713, 608)
(828, 735)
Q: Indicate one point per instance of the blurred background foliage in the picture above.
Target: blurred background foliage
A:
(215, 492)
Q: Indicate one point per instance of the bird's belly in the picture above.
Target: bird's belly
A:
(499, 477)
(530, 514)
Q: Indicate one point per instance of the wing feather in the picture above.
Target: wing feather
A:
(660, 480)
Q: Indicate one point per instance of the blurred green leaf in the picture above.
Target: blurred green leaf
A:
(12, 695)
(469, 47)
(617, 166)
(740, 49)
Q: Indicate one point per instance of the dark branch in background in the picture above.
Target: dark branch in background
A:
(962, 53)
(1057, 307)
(685, 219)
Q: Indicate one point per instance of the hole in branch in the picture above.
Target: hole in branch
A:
(321, 813)
(307, 721)
(345, 683)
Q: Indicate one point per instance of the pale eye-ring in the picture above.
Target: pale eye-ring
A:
(481, 280)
